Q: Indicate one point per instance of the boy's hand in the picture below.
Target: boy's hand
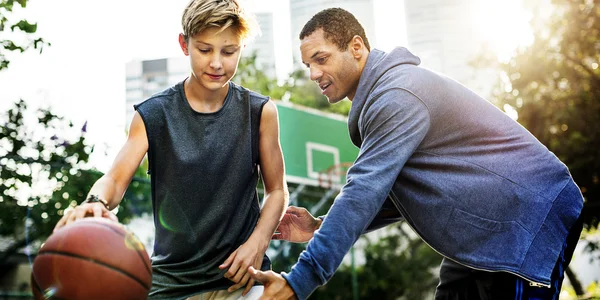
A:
(297, 225)
(85, 210)
(251, 253)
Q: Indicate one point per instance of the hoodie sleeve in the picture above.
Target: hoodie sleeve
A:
(392, 127)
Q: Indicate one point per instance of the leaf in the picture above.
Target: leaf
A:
(24, 26)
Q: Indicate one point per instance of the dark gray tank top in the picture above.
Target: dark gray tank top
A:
(203, 170)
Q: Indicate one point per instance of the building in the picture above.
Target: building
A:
(146, 78)
(444, 35)
(264, 44)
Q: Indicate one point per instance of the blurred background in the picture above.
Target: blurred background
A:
(71, 70)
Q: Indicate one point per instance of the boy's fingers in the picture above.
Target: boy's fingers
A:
(227, 262)
(111, 216)
(240, 284)
(232, 270)
(97, 211)
(248, 286)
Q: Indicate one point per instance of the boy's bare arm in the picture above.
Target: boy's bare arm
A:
(112, 185)
(272, 166)
(275, 202)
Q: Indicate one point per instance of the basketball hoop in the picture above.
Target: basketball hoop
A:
(332, 177)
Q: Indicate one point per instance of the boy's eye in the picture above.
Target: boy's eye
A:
(204, 50)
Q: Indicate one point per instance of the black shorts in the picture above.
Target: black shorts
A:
(458, 282)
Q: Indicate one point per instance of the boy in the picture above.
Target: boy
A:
(205, 138)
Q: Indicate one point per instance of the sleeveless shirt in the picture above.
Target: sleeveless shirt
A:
(204, 171)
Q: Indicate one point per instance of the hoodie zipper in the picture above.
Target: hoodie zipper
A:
(401, 209)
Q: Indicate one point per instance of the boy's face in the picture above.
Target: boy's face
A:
(336, 72)
(214, 56)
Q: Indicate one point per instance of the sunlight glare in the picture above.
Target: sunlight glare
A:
(503, 26)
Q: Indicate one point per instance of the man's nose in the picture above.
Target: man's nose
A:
(315, 74)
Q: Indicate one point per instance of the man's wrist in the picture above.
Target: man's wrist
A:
(319, 220)
(94, 199)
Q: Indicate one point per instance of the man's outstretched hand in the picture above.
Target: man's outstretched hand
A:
(297, 225)
(276, 287)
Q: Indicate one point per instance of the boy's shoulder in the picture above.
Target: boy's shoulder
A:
(163, 96)
(253, 96)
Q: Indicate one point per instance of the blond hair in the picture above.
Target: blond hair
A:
(200, 15)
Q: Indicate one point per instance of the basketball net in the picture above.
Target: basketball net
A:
(331, 178)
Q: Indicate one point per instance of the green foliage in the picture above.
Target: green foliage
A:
(297, 88)
(554, 85)
(137, 198)
(43, 173)
(28, 29)
(397, 266)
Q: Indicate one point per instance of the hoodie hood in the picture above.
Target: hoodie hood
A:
(378, 63)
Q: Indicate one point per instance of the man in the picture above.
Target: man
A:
(206, 139)
(473, 184)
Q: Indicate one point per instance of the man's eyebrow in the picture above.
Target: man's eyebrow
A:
(316, 53)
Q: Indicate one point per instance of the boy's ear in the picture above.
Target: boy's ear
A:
(183, 44)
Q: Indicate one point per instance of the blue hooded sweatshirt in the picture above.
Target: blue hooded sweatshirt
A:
(474, 184)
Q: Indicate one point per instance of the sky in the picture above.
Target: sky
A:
(82, 75)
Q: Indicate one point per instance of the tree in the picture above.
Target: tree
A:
(29, 29)
(297, 88)
(41, 174)
(43, 160)
(397, 266)
(554, 86)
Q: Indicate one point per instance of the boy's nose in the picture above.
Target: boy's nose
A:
(215, 62)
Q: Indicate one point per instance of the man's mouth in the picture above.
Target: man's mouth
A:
(324, 86)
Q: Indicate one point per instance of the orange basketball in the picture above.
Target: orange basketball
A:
(92, 258)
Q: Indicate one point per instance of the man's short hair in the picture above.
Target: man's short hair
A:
(339, 27)
(200, 15)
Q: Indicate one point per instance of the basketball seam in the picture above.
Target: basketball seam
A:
(39, 289)
(140, 255)
(96, 262)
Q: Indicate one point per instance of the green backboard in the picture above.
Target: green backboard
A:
(316, 145)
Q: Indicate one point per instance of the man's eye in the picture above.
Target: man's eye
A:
(321, 60)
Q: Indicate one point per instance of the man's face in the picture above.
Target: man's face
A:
(214, 56)
(336, 72)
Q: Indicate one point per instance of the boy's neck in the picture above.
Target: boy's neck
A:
(204, 100)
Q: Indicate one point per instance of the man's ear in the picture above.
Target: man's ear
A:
(183, 44)
(357, 45)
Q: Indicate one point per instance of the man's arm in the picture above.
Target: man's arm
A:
(392, 129)
(112, 185)
(275, 201)
(298, 224)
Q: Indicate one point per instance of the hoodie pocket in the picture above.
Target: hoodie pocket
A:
(484, 242)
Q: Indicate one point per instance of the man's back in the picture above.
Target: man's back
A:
(472, 180)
